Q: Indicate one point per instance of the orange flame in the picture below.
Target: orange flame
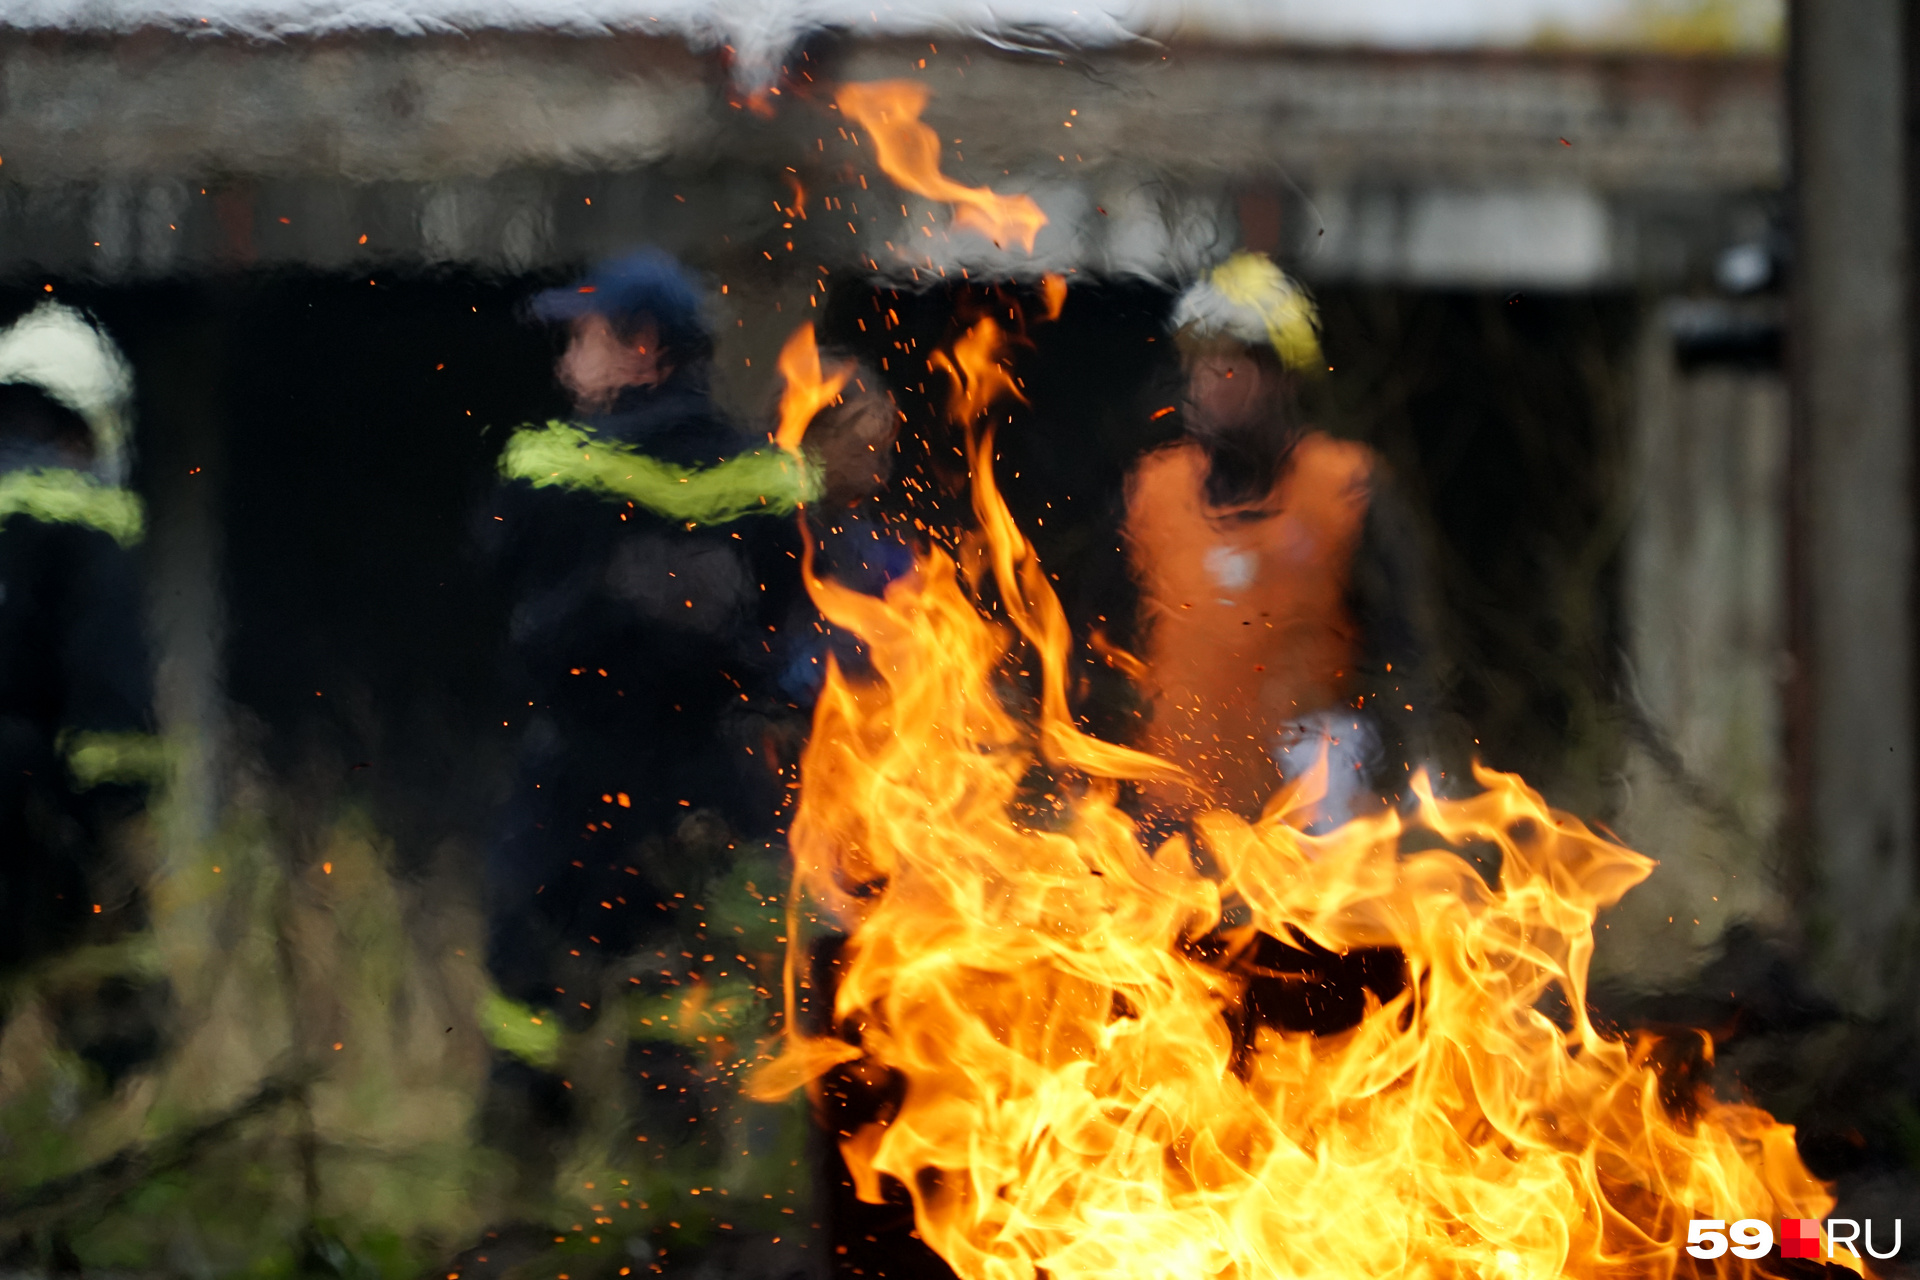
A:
(1053, 293)
(1089, 1088)
(808, 390)
(909, 153)
(978, 368)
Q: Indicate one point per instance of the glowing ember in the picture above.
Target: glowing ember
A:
(909, 153)
(1091, 1088)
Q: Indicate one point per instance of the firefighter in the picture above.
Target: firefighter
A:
(636, 607)
(1281, 605)
(1278, 596)
(652, 562)
(78, 753)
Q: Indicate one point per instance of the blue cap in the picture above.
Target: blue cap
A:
(645, 284)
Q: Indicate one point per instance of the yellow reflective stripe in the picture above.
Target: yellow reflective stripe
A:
(56, 495)
(770, 482)
(94, 758)
(512, 1027)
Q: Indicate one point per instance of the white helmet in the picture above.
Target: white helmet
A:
(60, 351)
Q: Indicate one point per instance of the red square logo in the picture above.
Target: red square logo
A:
(1799, 1238)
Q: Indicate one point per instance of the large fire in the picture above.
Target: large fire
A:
(1089, 1088)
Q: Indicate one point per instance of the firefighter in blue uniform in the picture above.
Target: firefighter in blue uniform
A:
(651, 562)
(637, 628)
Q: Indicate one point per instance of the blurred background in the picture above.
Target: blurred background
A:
(1621, 289)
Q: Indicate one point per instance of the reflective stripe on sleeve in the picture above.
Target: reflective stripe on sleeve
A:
(57, 495)
(122, 757)
(769, 482)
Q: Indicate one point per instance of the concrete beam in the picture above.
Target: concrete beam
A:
(1463, 169)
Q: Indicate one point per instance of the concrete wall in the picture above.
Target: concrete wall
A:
(1477, 169)
(1707, 663)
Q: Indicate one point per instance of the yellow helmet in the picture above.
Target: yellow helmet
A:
(1249, 299)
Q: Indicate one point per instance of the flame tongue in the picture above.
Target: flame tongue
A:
(909, 152)
(807, 390)
(1088, 1096)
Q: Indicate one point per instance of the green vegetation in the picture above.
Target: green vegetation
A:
(318, 1108)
